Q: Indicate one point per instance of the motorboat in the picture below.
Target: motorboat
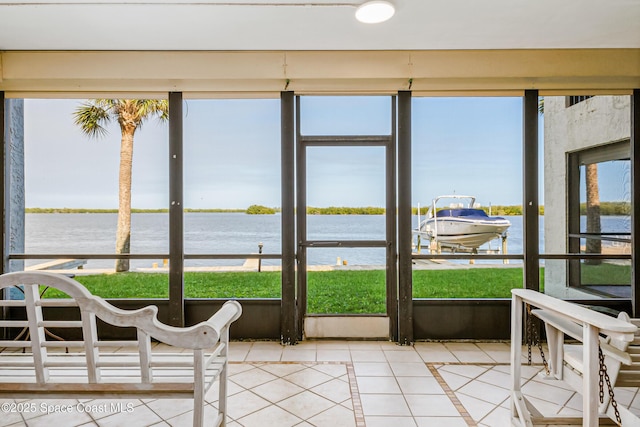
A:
(460, 226)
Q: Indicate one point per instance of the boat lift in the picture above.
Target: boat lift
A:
(437, 247)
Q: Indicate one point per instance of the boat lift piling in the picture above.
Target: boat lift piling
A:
(504, 247)
(436, 248)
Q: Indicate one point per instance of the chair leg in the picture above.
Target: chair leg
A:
(222, 399)
(198, 388)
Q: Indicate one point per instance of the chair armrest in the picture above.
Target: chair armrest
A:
(229, 313)
(574, 330)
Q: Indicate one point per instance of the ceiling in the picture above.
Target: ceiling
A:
(233, 48)
(287, 25)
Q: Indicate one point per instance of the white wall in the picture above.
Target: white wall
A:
(596, 121)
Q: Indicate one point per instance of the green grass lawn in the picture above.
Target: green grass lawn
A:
(605, 274)
(332, 292)
(196, 285)
(472, 283)
(329, 292)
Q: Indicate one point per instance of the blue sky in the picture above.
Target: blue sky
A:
(232, 159)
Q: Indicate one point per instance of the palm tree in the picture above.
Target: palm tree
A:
(593, 246)
(92, 116)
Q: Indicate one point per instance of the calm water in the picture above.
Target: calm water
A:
(220, 233)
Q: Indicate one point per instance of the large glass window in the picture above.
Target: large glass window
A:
(72, 183)
(602, 219)
(467, 196)
(232, 198)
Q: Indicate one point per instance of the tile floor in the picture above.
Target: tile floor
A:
(342, 383)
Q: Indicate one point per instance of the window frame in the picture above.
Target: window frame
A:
(614, 151)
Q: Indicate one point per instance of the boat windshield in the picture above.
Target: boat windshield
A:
(461, 212)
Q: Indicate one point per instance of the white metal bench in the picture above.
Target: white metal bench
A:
(43, 369)
(576, 365)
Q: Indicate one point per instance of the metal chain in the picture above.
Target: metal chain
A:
(601, 375)
(544, 360)
(529, 334)
(605, 375)
(533, 338)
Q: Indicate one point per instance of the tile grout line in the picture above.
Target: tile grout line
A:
(355, 396)
(353, 385)
(452, 396)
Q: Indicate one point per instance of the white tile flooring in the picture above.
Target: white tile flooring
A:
(342, 383)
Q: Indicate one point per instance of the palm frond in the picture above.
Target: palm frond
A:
(91, 116)
(148, 108)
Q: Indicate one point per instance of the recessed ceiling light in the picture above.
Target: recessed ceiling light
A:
(374, 12)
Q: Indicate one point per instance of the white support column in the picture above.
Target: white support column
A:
(590, 377)
(516, 342)
(14, 183)
(519, 410)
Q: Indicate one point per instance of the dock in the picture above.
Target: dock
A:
(59, 264)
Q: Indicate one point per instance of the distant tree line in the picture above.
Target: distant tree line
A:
(68, 210)
(311, 210)
(84, 210)
(336, 210)
(510, 210)
(610, 208)
(260, 210)
(215, 210)
(606, 209)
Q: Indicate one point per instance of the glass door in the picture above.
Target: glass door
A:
(346, 254)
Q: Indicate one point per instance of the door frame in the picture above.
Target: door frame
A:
(390, 243)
